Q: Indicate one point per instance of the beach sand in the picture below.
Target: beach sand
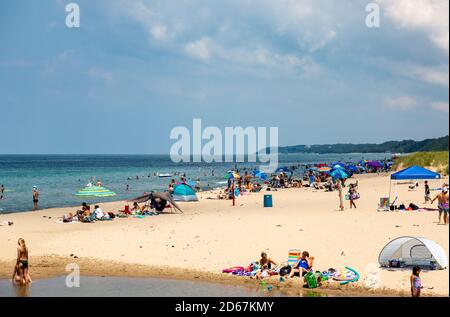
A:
(212, 235)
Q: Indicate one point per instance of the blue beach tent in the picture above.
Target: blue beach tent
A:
(412, 173)
(415, 172)
(184, 192)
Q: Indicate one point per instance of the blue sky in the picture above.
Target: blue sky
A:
(136, 69)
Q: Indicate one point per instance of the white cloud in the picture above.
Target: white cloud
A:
(200, 49)
(429, 15)
(440, 106)
(438, 75)
(401, 103)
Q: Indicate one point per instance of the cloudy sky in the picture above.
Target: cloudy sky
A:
(136, 69)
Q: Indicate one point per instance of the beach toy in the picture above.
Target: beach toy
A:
(263, 283)
(268, 201)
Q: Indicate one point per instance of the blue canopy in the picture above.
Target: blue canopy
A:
(184, 192)
(339, 173)
(283, 169)
(415, 172)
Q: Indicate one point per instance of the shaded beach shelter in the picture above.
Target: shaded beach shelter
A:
(412, 173)
(339, 173)
(353, 168)
(413, 251)
(260, 174)
(283, 169)
(324, 169)
(95, 191)
(374, 164)
(184, 192)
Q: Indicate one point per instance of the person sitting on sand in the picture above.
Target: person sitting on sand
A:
(98, 212)
(68, 218)
(136, 208)
(266, 265)
(22, 262)
(303, 265)
(416, 283)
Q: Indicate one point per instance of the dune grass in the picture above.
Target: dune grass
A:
(436, 160)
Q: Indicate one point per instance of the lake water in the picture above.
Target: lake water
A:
(131, 287)
(59, 177)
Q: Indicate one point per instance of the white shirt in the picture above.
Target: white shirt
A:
(99, 213)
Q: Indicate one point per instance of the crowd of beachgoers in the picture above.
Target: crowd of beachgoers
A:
(318, 177)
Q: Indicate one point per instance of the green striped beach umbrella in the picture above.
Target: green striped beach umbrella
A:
(95, 191)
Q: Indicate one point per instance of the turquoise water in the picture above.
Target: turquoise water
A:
(131, 287)
(59, 177)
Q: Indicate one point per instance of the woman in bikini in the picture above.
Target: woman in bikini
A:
(22, 262)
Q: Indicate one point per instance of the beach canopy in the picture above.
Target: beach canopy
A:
(184, 192)
(324, 169)
(283, 169)
(260, 174)
(339, 173)
(415, 172)
(375, 164)
(414, 251)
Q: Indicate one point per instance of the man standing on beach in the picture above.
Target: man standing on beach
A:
(442, 204)
(35, 197)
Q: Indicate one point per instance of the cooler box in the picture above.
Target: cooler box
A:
(267, 201)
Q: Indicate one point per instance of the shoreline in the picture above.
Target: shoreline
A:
(51, 266)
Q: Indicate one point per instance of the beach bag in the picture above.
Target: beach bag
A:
(285, 270)
(311, 280)
(355, 196)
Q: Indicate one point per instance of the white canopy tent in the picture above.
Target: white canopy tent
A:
(417, 251)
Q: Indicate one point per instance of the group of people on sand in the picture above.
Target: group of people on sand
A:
(303, 266)
(86, 215)
(21, 274)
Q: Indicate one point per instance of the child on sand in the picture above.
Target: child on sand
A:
(416, 283)
(266, 265)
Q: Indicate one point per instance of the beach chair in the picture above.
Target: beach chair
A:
(293, 257)
(384, 204)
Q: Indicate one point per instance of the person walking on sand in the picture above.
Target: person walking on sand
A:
(35, 197)
(416, 283)
(427, 192)
(22, 262)
(442, 198)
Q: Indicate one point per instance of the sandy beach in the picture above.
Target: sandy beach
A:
(212, 235)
